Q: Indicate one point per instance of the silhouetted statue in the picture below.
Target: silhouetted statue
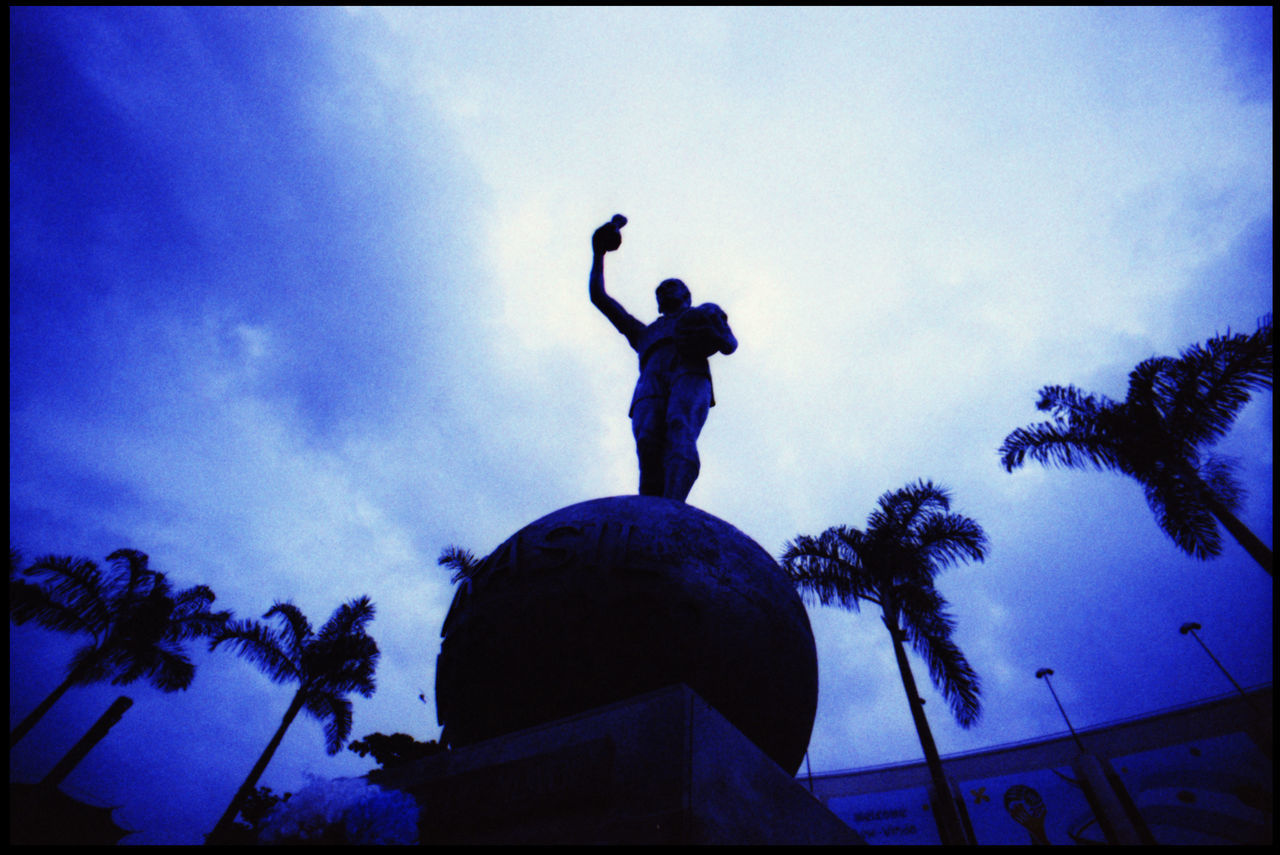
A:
(673, 395)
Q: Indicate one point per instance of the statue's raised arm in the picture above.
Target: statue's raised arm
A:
(673, 395)
(608, 238)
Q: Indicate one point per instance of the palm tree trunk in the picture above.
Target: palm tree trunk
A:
(950, 828)
(224, 823)
(36, 714)
(92, 737)
(1241, 533)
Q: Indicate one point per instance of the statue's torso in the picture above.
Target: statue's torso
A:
(661, 362)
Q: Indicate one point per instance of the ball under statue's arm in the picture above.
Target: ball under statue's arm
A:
(728, 341)
(607, 239)
(704, 330)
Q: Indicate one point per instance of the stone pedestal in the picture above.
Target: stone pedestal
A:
(663, 767)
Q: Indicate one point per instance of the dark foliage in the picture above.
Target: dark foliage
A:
(394, 750)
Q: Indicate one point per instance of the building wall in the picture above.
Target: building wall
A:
(1200, 774)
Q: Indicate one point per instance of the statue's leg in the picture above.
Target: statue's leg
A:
(647, 425)
(687, 410)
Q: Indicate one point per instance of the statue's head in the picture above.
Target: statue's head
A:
(673, 296)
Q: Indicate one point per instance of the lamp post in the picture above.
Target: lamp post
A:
(1190, 629)
(1263, 728)
(1117, 816)
(1044, 673)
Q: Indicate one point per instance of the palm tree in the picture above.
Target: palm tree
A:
(465, 566)
(326, 665)
(909, 539)
(138, 625)
(1158, 435)
(462, 562)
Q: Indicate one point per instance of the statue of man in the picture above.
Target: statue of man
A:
(673, 395)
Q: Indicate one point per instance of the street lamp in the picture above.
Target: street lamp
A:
(1044, 674)
(1190, 629)
(1119, 820)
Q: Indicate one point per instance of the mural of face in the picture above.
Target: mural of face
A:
(1027, 809)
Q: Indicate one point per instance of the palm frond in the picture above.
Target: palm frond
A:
(1182, 514)
(1218, 475)
(1072, 405)
(917, 601)
(1178, 400)
(1215, 380)
(342, 664)
(462, 561)
(947, 538)
(898, 510)
(334, 712)
(76, 585)
(166, 666)
(119, 668)
(929, 626)
(130, 574)
(952, 674)
(829, 567)
(191, 618)
(261, 646)
(170, 669)
(28, 602)
(1058, 443)
(87, 666)
(193, 600)
(1152, 388)
(297, 629)
(349, 618)
(200, 625)
(1078, 436)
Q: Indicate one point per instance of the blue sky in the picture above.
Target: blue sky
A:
(298, 298)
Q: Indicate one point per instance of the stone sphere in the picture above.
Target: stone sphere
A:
(612, 598)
